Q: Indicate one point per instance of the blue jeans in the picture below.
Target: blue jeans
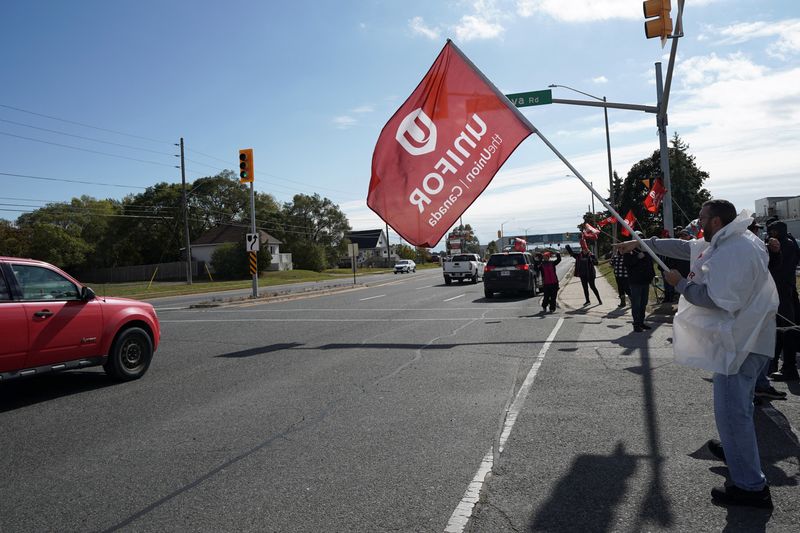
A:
(733, 412)
(639, 295)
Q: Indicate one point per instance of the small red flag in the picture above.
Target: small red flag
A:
(630, 218)
(591, 229)
(607, 221)
(520, 245)
(441, 149)
(655, 196)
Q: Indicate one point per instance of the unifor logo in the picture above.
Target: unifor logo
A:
(417, 133)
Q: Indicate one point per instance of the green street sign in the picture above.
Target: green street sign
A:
(531, 98)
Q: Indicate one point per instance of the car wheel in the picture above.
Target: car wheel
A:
(448, 281)
(130, 355)
(474, 279)
(487, 293)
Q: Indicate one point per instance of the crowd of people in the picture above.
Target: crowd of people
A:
(737, 317)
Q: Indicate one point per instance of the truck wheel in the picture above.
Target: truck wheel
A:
(474, 279)
(130, 355)
(447, 281)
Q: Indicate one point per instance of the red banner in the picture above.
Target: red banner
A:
(520, 245)
(630, 218)
(655, 196)
(441, 149)
(591, 228)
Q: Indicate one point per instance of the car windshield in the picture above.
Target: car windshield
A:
(462, 258)
(506, 260)
(403, 262)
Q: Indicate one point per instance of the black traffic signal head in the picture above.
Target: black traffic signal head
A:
(246, 165)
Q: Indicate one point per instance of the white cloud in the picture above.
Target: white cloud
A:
(600, 79)
(344, 122)
(367, 108)
(418, 27)
(704, 70)
(786, 31)
(473, 27)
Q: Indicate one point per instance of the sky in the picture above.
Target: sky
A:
(95, 94)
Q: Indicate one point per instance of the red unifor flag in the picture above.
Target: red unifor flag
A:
(654, 197)
(630, 218)
(606, 221)
(441, 149)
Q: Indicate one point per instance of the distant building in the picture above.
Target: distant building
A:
(785, 208)
(371, 245)
(203, 248)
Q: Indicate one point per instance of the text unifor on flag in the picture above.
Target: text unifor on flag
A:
(441, 149)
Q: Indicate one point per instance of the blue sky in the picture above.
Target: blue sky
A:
(309, 85)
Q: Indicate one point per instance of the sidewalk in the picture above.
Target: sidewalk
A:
(612, 437)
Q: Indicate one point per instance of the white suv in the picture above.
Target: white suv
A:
(405, 265)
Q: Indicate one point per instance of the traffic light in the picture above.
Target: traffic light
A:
(246, 165)
(659, 23)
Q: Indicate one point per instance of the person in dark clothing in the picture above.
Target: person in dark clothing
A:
(584, 269)
(621, 276)
(783, 259)
(640, 274)
(549, 280)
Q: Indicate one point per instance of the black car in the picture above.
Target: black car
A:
(510, 271)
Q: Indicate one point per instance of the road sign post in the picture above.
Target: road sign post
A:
(352, 250)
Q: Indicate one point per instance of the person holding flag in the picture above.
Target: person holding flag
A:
(726, 324)
(585, 262)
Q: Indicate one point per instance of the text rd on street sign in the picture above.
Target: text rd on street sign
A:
(531, 98)
(252, 242)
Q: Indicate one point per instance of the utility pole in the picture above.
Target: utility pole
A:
(186, 220)
(388, 252)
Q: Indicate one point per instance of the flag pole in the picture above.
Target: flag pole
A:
(602, 200)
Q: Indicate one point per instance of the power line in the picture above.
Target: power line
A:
(87, 150)
(68, 180)
(82, 124)
(84, 138)
(26, 176)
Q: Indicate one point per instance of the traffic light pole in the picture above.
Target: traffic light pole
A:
(253, 230)
(661, 121)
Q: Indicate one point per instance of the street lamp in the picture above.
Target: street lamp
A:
(608, 148)
(501, 232)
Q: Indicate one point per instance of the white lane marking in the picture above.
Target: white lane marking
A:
(372, 297)
(455, 297)
(438, 319)
(460, 517)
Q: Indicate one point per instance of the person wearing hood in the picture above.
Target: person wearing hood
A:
(585, 262)
(726, 324)
(784, 256)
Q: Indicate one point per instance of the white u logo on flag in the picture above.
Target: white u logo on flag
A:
(417, 133)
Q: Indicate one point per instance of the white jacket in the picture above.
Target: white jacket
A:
(733, 266)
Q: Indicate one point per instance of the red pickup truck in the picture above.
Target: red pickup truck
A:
(51, 322)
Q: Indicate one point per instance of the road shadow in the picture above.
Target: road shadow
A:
(585, 499)
(27, 391)
(260, 350)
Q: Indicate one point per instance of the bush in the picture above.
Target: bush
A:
(310, 256)
(230, 261)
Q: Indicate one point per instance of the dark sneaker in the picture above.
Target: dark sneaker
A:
(553, 309)
(599, 301)
(770, 392)
(645, 326)
(733, 495)
(784, 376)
(621, 304)
(638, 329)
(715, 447)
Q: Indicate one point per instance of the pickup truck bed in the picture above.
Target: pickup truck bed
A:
(463, 267)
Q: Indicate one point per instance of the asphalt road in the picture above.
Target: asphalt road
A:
(364, 410)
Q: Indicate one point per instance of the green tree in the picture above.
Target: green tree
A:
(404, 251)
(13, 240)
(687, 192)
(422, 255)
(491, 248)
(310, 224)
